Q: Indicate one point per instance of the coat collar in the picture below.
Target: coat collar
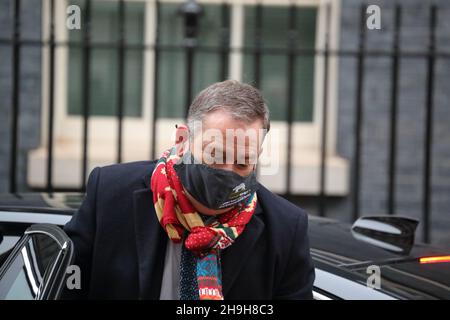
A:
(151, 241)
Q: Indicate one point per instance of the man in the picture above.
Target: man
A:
(194, 224)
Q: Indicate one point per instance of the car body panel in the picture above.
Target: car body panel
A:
(335, 250)
(341, 260)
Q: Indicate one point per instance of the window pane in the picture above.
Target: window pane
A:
(207, 70)
(305, 64)
(273, 82)
(171, 84)
(172, 64)
(14, 284)
(104, 61)
(28, 271)
(273, 68)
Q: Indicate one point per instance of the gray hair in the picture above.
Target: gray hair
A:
(242, 101)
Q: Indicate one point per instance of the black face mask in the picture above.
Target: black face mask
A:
(214, 188)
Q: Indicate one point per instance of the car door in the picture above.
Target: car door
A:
(36, 268)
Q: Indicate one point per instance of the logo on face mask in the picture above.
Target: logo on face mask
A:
(237, 194)
(239, 187)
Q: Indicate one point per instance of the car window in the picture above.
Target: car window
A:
(10, 233)
(19, 288)
(7, 244)
(25, 275)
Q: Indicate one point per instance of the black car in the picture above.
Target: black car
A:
(375, 258)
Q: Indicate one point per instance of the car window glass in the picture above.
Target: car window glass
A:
(7, 244)
(26, 274)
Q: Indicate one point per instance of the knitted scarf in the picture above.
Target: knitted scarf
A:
(203, 241)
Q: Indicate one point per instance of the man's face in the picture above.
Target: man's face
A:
(227, 144)
(223, 143)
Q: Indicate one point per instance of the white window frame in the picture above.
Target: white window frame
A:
(67, 127)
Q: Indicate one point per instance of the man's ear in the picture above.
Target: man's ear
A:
(181, 138)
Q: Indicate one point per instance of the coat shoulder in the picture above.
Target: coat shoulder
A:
(281, 212)
(129, 168)
(127, 176)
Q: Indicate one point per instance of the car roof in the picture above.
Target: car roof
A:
(334, 236)
(64, 203)
(334, 249)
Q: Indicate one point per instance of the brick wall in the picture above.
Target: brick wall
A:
(411, 113)
(30, 88)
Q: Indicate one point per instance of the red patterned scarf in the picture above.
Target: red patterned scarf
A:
(176, 215)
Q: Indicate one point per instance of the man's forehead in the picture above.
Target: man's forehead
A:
(248, 148)
(232, 139)
(237, 136)
(219, 133)
(222, 119)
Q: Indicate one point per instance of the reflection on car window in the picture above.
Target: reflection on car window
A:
(25, 276)
(8, 243)
(45, 249)
(20, 288)
(6, 247)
